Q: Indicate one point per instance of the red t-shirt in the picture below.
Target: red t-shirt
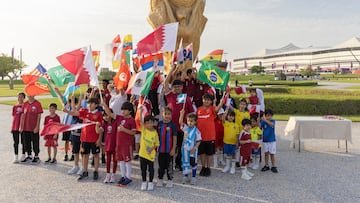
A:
(176, 107)
(88, 133)
(122, 138)
(253, 100)
(49, 119)
(107, 96)
(16, 113)
(219, 128)
(245, 149)
(189, 87)
(31, 112)
(110, 135)
(206, 122)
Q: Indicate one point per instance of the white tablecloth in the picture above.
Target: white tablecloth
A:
(318, 128)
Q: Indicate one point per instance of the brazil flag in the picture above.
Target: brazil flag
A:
(213, 76)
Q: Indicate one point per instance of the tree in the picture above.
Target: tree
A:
(107, 74)
(308, 71)
(257, 69)
(10, 68)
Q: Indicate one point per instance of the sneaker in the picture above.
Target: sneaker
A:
(35, 160)
(16, 159)
(80, 171)
(126, 182)
(96, 175)
(178, 168)
(249, 173)
(71, 158)
(73, 170)
(107, 178)
(143, 186)
(136, 157)
(274, 169)
(232, 170)
(83, 176)
(193, 181)
(169, 184)
(120, 182)
(26, 160)
(185, 179)
(112, 178)
(202, 171)
(207, 172)
(150, 186)
(265, 168)
(245, 176)
(23, 157)
(237, 164)
(48, 160)
(53, 161)
(66, 158)
(159, 183)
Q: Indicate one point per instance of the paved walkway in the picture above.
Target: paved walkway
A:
(320, 173)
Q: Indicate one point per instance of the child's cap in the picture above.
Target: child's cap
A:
(221, 111)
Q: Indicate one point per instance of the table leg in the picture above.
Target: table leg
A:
(346, 146)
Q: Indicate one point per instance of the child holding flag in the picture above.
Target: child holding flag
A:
(51, 141)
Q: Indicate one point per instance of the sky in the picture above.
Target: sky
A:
(45, 29)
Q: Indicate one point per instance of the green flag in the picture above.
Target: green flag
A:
(60, 76)
(148, 81)
(213, 76)
(46, 82)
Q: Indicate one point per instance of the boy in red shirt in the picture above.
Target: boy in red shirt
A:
(206, 115)
(30, 126)
(90, 135)
(51, 141)
(245, 149)
(16, 113)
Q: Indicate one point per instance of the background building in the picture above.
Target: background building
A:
(344, 57)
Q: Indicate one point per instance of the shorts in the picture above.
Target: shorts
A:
(66, 136)
(219, 142)
(90, 146)
(50, 141)
(124, 152)
(229, 149)
(207, 147)
(245, 160)
(75, 142)
(269, 147)
(256, 151)
(137, 138)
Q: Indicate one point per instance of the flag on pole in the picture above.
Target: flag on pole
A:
(127, 42)
(181, 99)
(153, 62)
(60, 76)
(161, 39)
(113, 51)
(35, 85)
(70, 89)
(80, 62)
(55, 128)
(96, 57)
(188, 52)
(39, 70)
(214, 56)
(122, 77)
(213, 76)
(140, 83)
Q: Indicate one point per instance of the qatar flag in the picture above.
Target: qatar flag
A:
(80, 62)
(162, 39)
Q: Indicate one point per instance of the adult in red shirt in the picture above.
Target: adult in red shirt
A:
(16, 114)
(30, 126)
(175, 106)
(90, 136)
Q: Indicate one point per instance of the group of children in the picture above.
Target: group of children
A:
(222, 131)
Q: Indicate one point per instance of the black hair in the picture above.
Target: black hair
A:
(189, 71)
(231, 113)
(89, 90)
(208, 96)
(253, 90)
(242, 100)
(53, 105)
(177, 82)
(192, 116)
(254, 117)
(127, 106)
(149, 118)
(106, 81)
(93, 100)
(76, 100)
(22, 94)
(168, 109)
(245, 122)
(269, 112)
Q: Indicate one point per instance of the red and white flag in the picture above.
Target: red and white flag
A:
(162, 39)
(80, 62)
(53, 128)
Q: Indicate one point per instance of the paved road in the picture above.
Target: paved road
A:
(320, 173)
(335, 85)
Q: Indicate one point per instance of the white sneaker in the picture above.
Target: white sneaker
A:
(232, 170)
(112, 178)
(245, 176)
(73, 170)
(80, 171)
(107, 178)
(185, 179)
(193, 181)
(150, 186)
(249, 173)
(23, 157)
(159, 183)
(143, 186)
(169, 184)
(16, 159)
(226, 169)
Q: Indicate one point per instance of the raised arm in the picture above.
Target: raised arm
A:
(107, 110)
(181, 118)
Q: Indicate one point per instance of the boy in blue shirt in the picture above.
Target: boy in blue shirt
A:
(269, 141)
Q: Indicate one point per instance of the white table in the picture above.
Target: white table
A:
(307, 127)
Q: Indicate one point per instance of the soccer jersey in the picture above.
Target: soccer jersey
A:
(245, 149)
(88, 133)
(206, 122)
(31, 112)
(268, 131)
(149, 139)
(231, 132)
(176, 107)
(122, 138)
(255, 133)
(16, 113)
(166, 132)
(110, 136)
(240, 116)
(51, 119)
